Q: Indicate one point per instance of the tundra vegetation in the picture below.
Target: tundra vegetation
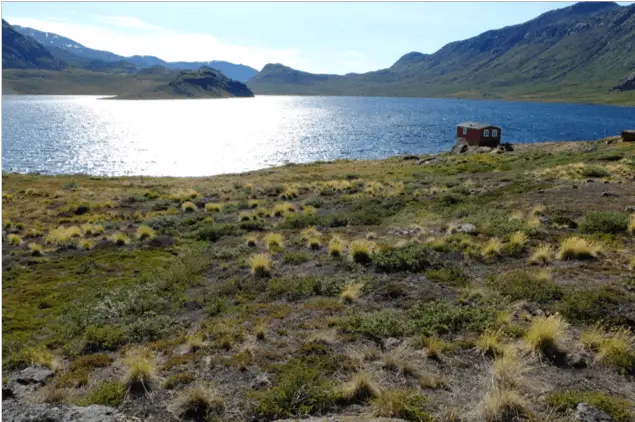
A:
(472, 287)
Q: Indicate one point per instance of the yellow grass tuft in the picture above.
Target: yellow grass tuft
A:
(508, 370)
(490, 342)
(351, 292)
(517, 215)
(260, 265)
(359, 390)
(336, 246)
(492, 248)
(188, 207)
(62, 235)
(617, 350)
(140, 371)
(145, 232)
(545, 333)
(261, 212)
(279, 210)
(538, 210)
(592, 337)
(273, 241)
(631, 263)
(213, 207)
(308, 210)
(199, 402)
(244, 216)
(631, 224)
(578, 248)
(92, 229)
(314, 243)
(14, 239)
(251, 240)
(518, 239)
(362, 250)
(310, 232)
(120, 239)
(434, 347)
(503, 405)
(195, 342)
(253, 203)
(85, 244)
(36, 249)
(541, 255)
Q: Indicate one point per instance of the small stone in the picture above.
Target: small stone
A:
(543, 219)
(576, 361)
(391, 343)
(606, 182)
(466, 228)
(609, 194)
(587, 413)
(261, 381)
(630, 208)
(34, 375)
(7, 393)
(82, 209)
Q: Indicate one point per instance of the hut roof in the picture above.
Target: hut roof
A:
(475, 125)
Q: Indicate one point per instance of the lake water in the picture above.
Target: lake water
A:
(81, 134)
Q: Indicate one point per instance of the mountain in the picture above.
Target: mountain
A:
(577, 52)
(20, 52)
(203, 83)
(70, 51)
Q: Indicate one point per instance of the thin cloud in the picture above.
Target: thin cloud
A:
(128, 22)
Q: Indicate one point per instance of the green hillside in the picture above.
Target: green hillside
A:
(578, 53)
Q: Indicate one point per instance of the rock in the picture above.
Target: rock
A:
(261, 381)
(590, 149)
(459, 149)
(576, 361)
(587, 413)
(590, 180)
(543, 219)
(606, 182)
(34, 375)
(161, 241)
(13, 411)
(410, 157)
(609, 194)
(574, 186)
(7, 393)
(482, 150)
(82, 209)
(630, 208)
(466, 228)
(391, 343)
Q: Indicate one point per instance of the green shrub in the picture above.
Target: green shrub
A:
(525, 285)
(252, 226)
(217, 232)
(413, 258)
(295, 288)
(604, 222)
(449, 199)
(376, 325)
(593, 305)
(299, 390)
(594, 171)
(451, 276)
(295, 258)
(108, 393)
(104, 337)
(437, 318)
(618, 409)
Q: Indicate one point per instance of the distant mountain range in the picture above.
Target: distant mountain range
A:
(70, 53)
(583, 52)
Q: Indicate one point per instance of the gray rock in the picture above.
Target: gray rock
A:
(587, 413)
(34, 375)
(459, 149)
(13, 411)
(261, 381)
(543, 219)
(391, 343)
(630, 208)
(466, 228)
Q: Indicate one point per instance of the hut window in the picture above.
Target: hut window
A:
(486, 132)
(494, 132)
(464, 131)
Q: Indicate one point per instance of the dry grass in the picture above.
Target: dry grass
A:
(120, 239)
(85, 244)
(431, 382)
(545, 333)
(336, 246)
(195, 342)
(502, 405)
(251, 240)
(359, 390)
(593, 337)
(351, 292)
(434, 347)
(253, 203)
(245, 216)
(508, 370)
(145, 232)
(308, 210)
(14, 239)
(199, 402)
(518, 239)
(538, 210)
(578, 248)
(36, 249)
(260, 265)
(140, 371)
(273, 241)
(213, 207)
(362, 250)
(617, 350)
(189, 207)
(314, 243)
(631, 224)
(490, 342)
(541, 255)
(631, 263)
(62, 235)
(492, 248)
(279, 210)
(310, 232)
(92, 229)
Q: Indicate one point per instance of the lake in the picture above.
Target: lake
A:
(81, 134)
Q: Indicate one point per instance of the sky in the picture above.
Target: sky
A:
(318, 37)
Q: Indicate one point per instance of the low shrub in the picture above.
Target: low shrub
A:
(604, 222)
(413, 258)
(216, 232)
(108, 393)
(593, 305)
(295, 258)
(618, 409)
(526, 285)
(451, 276)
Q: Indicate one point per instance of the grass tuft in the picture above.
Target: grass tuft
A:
(403, 404)
(359, 390)
(273, 241)
(545, 333)
(260, 265)
(578, 248)
(362, 251)
(336, 247)
(188, 206)
(14, 239)
(503, 405)
(314, 243)
(490, 342)
(541, 255)
(145, 232)
(140, 371)
(492, 248)
(251, 240)
(213, 207)
(200, 403)
(120, 239)
(351, 292)
(36, 249)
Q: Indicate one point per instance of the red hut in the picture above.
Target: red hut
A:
(478, 134)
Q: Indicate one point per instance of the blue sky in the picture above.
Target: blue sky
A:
(316, 37)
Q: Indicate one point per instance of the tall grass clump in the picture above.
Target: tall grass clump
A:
(188, 207)
(360, 389)
(92, 229)
(251, 240)
(541, 255)
(120, 239)
(145, 232)
(545, 334)
(63, 235)
(362, 250)
(578, 248)
(260, 265)
(336, 246)
(517, 242)
(199, 403)
(492, 248)
(140, 371)
(36, 249)
(14, 239)
(273, 241)
(213, 207)
(351, 292)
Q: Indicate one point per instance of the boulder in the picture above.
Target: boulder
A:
(587, 413)
(466, 228)
(391, 342)
(261, 381)
(13, 411)
(628, 136)
(459, 149)
(34, 375)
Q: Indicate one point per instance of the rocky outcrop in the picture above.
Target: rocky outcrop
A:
(462, 148)
(587, 413)
(628, 84)
(628, 136)
(13, 411)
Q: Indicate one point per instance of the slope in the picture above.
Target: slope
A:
(20, 52)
